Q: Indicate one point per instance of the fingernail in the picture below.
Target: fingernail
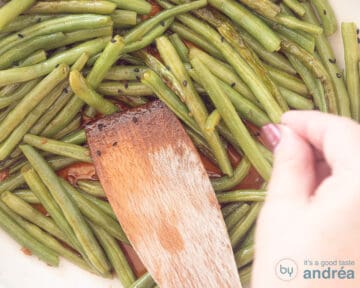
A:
(271, 134)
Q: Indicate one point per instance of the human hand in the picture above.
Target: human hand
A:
(313, 203)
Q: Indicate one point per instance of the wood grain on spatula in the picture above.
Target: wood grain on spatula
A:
(162, 196)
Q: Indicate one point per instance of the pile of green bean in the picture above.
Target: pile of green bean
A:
(218, 65)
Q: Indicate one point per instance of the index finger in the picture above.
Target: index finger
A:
(337, 138)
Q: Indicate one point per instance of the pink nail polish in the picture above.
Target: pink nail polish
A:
(271, 134)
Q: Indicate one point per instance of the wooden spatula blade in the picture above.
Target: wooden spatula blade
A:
(162, 196)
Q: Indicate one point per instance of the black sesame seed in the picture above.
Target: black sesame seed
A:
(134, 119)
(101, 126)
(98, 153)
(114, 144)
(332, 61)
(185, 83)
(168, 68)
(65, 90)
(325, 12)
(126, 85)
(339, 75)
(162, 23)
(136, 70)
(20, 35)
(138, 78)
(233, 85)
(222, 39)
(57, 65)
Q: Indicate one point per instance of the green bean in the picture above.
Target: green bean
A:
(18, 133)
(52, 111)
(69, 57)
(212, 121)
(21, 52)
(130, 73)
(31, 100)
(77, 137)
(27, 195)
(193, 101)
(329, 61)
(61, 229)
(231, 118)
(249, 238)
(8, 90)
(233, 37)
(306, 41)
(32, 215)
(296, 24)
(61, 24)
(265, 7)
(295, 100)
(149, 38)
(240, 66)
(189, 35)
(139, 6)
(145, 281)
(228, 209)
(115, 256)
(21, 236)
(71, 212)
(180, 47)
(166, 95)
(318, 69)
(295, 6)
(327, 16)
(46, 239)
(10, 10)
(252, 24)
(139, 31)
(24, 21)
(102, 205)
(201, 145)
(128, 88)
(244, 256)
(245, 275)
(70, 128)
(241, 196)
(314, 85)
(226, 74)
(288, 81)
(275, 59)
(66, 115)
(351, 47)
(124, 18)
(94, 214)
(58, 7)
(107, 58)
(18, 94)
(16, 180)
(93, 188)
(87, 94)
(35, 58)
(240, 230)
(226, 183)
(59, 148)
(236, 216)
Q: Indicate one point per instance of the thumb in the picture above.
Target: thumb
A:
(293, 177)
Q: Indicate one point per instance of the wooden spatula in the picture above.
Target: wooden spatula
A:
(162, 196)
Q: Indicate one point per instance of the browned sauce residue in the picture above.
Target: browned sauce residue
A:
(78, 171)
(4, 174)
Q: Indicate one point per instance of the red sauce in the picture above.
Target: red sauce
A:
(41, 209)
(156, 8)
(78, 171)
(4, 174)
(134, 260)
(26, 251)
